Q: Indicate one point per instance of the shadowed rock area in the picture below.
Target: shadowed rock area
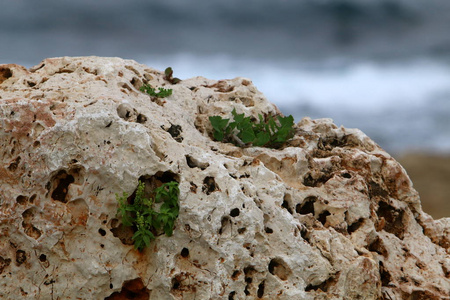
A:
(329, 215)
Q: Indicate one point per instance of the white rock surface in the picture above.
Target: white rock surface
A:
(329, 216)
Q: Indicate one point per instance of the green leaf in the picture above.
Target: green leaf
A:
(238, 118)
(168, 229)
(162, 92)
(141, 215)
(262, 138)
(218, 123)
(265, 133)
(247, 136)
(218, 135)
(168, 72)
(272, 125)
(287, 122)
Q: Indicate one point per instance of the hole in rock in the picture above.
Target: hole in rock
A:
(307, 207)
(43, 258)
(64, 70)
(21, 257)
(175, 131)
(88, 70)
(279, 268)
(209, 185)
(316, 182)
(193, 188)
(260, 292)
(248, 271)
(32, 198)
(131, 289)
(225, 224)
(287, 203)
(304, 233)
(124, 233)
(21, 199)
(323, 217)
(242, 230)
(235, 275)
(125, 86)
(4, 263)
(61, 181)
(141, 119)
(13, 166)
(385, 276)
(375, 190)
(184, 252)
(5, 73)
(324, 286)
(231, 295)
(444, 269)
(347, 175)
(378, 246)
(234, 212)
(28, 227)
(393, 219)
(194, 163)
(125, 111)
(182, 282)
(102, 232)
(136, 82)
(355, 226)
(328, 143)
(268, 230)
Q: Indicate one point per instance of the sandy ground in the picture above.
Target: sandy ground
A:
(430, 175)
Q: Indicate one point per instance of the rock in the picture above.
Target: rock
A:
(328, 216)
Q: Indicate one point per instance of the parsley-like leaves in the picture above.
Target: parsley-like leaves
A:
(242, 131)
(162, 92)
(141, 215)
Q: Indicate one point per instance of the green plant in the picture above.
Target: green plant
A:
(242, 131)
(162, 92)
(141, 215)
(168, 72)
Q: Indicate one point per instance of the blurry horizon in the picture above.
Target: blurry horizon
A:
(380, 66)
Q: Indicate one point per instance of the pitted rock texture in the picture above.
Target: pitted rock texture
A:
(330, 215)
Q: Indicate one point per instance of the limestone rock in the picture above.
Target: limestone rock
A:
(328, 216)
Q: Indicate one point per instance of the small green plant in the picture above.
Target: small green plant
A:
(141, 215)
(168, 72)
(162, 92)
(242, 131)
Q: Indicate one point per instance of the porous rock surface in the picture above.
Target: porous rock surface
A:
(330, 215)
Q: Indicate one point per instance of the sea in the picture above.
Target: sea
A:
(382, 66)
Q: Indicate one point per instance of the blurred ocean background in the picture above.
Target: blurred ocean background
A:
(382, 66)
(379, 65)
